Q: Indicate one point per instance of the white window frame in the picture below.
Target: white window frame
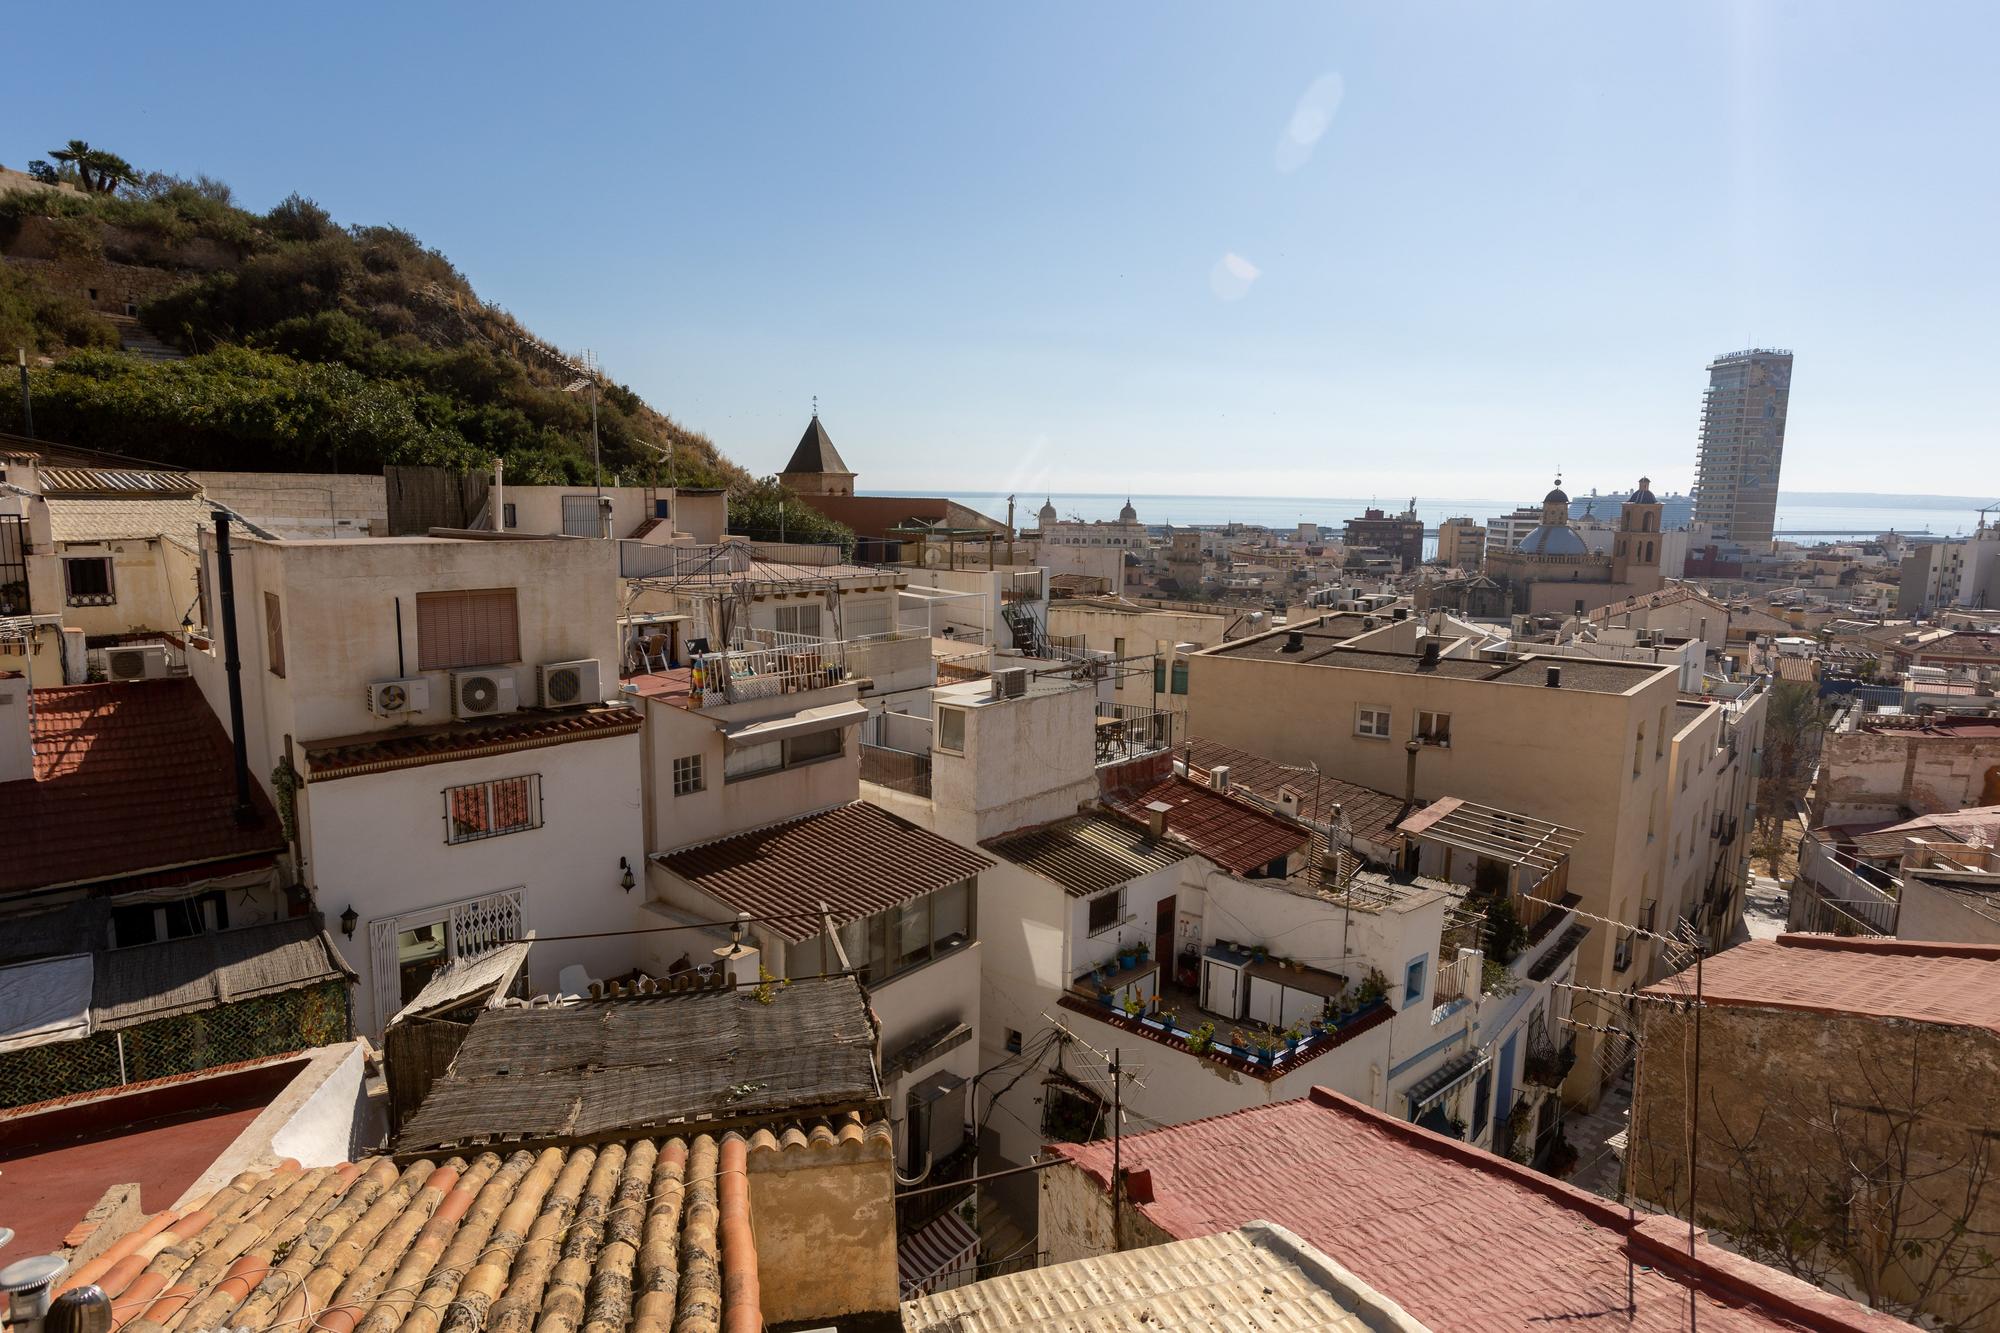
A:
(937, 742)
(1369, 717)
(1429, 736)
(689, 777)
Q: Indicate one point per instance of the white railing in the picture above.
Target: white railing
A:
(765, 673)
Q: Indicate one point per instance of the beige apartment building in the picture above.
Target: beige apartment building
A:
(1591, 745)
(1150, 643)
(1461, 543)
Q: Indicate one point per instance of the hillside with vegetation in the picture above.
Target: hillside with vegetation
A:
(306, 345)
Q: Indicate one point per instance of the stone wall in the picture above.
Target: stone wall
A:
(1075, 1217)
(1793, 1108)
(818, 1194)
(106, 287)
(304, 504)
(1869, 775)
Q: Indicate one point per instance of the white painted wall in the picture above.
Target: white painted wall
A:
(377, 843)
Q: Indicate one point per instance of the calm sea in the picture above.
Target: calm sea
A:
(1855, 517)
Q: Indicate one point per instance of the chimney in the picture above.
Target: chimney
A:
(17, 738)
(1410, 774)
(1294, 642)
(1430, 658)
(1156, 819)
(232, 667)
(497, 509)
(1218, 778)
(1554, 679)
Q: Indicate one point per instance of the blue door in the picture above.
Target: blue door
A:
(1503, 1078)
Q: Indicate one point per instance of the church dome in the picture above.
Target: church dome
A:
(1048, 514)
(1128, 514)
(1553, 539)
(1644, 495)
(1558, 496)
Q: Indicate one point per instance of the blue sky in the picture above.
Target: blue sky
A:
(1329, 249)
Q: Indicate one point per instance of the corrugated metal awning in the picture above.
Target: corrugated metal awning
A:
(1437, 1085)
(805, 722)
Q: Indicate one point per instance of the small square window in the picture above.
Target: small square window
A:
(951, 730)
(1434, 729)
(687, 775)
(1370, 720)
(1413, 980)
(1107, 911)
(1013, 1041)
(87, 581)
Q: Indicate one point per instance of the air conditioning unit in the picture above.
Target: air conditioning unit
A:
(395, 698)
(1010, 683)
(143, 661)
(567, 684)
(482, 693)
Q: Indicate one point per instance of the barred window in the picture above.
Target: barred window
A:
(687, 775)
(489, 809)
(477, 627)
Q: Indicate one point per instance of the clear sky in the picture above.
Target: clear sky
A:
(1226, 249)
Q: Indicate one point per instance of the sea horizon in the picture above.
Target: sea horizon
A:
(1823, 515)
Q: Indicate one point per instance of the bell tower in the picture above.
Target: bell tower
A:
(1636, 548)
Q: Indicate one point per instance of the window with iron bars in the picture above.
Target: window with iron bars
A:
(491, 809)
(1621, 958)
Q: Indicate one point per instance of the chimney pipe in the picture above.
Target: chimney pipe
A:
(1410, 774)
(497, 511)
(1430, 652)
(84, 1309)
(1554, 679)
(1156, 819)
(232, 667)
(26, 1283)
(1294, 642)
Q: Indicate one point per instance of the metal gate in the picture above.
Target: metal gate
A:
(13, 566)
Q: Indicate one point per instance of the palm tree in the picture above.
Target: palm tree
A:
(97, 171)
(76, 155)
(1794, 721)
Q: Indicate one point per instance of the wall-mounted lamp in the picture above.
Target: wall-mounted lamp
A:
(349, 920)
(625, 880)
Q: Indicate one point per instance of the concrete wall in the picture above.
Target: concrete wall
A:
(1026, 761)
(810, 1202)
(1773, 1084)
(1075, 1218)
(304, 504)
(152, 582)
(1940, 911)
(1891, 774)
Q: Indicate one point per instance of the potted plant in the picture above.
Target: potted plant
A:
(1127, 956)
(1201, 1038)
(1258, 953)
(1144, 952)
(1104, 993)
(1293, 1036)
(1168, 1019)
(1134, 1006)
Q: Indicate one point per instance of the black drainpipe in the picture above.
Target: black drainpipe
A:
(232, 667)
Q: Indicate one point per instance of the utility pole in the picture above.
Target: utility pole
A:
(1010, 532)
(1117, 1157)
(27, 400)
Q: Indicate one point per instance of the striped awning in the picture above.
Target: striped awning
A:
(1435, 1087)
(944, 1248)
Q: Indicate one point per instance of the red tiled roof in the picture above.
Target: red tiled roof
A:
(1370, 814)
(1233, 834)
(858, 858)
(378, 752)
(131, 777)
(1458, 1237)
(1957, 985)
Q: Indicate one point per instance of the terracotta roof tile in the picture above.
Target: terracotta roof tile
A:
(649, 1232)
(858, 858)
(130, 777)
(1957, 985)
(1459, 1238)
(379, 752)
